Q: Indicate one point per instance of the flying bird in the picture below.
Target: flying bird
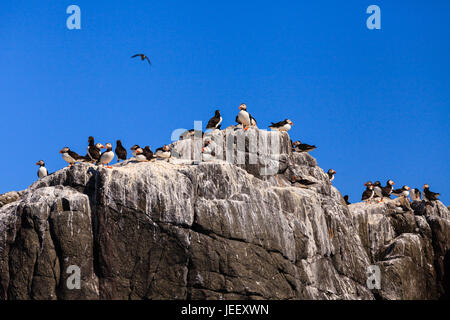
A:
(143, 57)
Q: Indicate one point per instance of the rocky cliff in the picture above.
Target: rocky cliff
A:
(233, 227)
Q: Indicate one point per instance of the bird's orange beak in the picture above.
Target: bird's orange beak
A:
(240, 108)
(37, 163)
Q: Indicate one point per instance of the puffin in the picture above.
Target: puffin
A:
(163, 152)
(245, 118)
(304, 182)
(121, 152)
(70, 156)
(416, 194)
(284, 125)
(402, 192)
(346, 200)
(377, 189)
(134, 148)
(215, 122)
(429, 195)
(107, 156)
(387, 190)
(143, 57)
(297, 146)
(93, 150)
(144, 155)
(42, 172)
(368, 193)
(331, 174)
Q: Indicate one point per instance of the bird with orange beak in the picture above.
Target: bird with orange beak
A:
(42, 172)
(70, 156)
(245, 118)
(107, 156)
(284, 125)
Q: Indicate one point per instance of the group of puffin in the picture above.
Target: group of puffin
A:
(375, 191)
(246, 120)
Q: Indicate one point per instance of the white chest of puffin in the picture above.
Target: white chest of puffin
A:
(244, 116)
(107, 156)
(42, 172)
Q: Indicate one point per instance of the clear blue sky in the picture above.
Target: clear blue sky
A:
(375, 102)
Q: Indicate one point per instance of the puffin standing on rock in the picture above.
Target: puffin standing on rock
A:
(377, 189)
(297, 146)
(331, 174)
(93, 150)
(429, 195)
(42, 172)
(144, 155)
(70, 156)
(107, 156)
(134, 148)
(387, 190)
(121, 152)
(284, 125)
(402, 192)
(163, 152)
(245, 118)
(368, 193)
(215, 122)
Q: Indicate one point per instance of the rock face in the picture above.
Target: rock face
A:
(235, 229)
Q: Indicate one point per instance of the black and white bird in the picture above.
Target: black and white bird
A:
(245, 118)
(402, 192)
(416, 195)
(387, 190)
(284, 125)
(346, 200)
(93, 150)
(368, 193)
(121, 152)
(143, 57)
(163, 153)
(297, 146)
(133, 149)
(429, 195)
(42, 172)
(377, 189)
(215, 122)
(304, 182)
(70, 156)
(107, 156)
(331, 174)
(144, 155)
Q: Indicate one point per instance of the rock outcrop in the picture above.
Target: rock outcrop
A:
(233, 227)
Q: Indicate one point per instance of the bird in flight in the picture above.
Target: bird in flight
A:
(143, 57)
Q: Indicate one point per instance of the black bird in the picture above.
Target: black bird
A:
(368, 193)
(387, 190)
(143, 57)
(346, 200)
(93, 150)
(284, 125)
(331, 174)
(121, 152)
(215, 122)
(429, 195)
(304, 182)
(148, 153)
(297, 146)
